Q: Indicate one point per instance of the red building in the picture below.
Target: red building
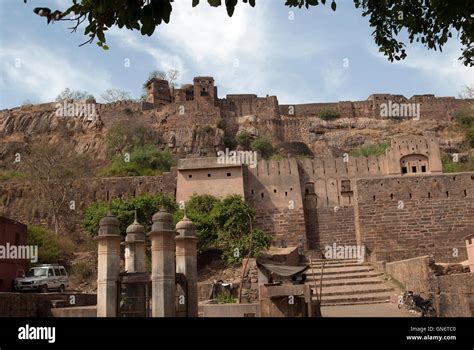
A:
(14, 233)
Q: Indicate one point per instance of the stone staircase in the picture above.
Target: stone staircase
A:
(348, 282)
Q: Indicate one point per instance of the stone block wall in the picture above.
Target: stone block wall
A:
(453, 294)
(404, 217)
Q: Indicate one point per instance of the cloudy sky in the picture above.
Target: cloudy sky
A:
(298, 55)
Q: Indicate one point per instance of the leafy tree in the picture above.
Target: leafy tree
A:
(225, 224)
(243, 139)
(263, 146)
(198, 210)
(234, 217)
(124, 209)
(431, 22)
(68, 94)
(142, 161)
(114, 95)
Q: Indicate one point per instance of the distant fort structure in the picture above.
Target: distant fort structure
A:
(399, 204)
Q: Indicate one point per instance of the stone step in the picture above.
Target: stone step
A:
(349, 282)
(356, 290)
(366, 298)
(341, 264)
(355, 303)
(343, 276)
(335, 261)
(340, 270)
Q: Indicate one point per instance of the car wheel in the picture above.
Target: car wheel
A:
(44, 288)
(62, 289)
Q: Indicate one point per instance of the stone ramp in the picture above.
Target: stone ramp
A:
(349, 282)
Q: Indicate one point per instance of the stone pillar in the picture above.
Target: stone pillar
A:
(186, 262)
(135, 248)
(470, 251)
(162, 237)
(108, 269)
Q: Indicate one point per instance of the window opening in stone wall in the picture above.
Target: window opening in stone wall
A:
(346, 186)
(413, 169)
(208, 175)
(423, 168)
(229, 174)
(190, 176)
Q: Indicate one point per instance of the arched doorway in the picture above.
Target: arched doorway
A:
(414, 164)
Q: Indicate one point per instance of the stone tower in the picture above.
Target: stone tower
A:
(158, 91)
(204, 90)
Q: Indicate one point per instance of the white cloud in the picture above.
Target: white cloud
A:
(44, 72)
(442, 71)
(241, 52)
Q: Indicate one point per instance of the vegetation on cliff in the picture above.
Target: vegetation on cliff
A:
(371, 149)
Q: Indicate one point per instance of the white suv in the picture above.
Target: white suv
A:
(44, 278)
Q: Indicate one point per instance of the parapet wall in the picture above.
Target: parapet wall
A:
(404, 217)
(273, 188)
(431, 107)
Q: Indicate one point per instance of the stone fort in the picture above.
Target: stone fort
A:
(399, 205)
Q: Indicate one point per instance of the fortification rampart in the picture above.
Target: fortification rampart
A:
(402, 217)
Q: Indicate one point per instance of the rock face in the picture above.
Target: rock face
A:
(187, 121)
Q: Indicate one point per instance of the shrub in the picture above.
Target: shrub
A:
(243, 139)
(143, 161)
(263, 146)
(223, 298)
(231, 144)
(470, 137)
(51, 249)
(371, 149)
(221, 124)
(464, 118)
(82, 271)
(449, 166)
(125, 137)
(328, 114)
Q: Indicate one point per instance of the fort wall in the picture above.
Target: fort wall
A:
(404, 217)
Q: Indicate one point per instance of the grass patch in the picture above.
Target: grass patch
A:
(377, 149)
